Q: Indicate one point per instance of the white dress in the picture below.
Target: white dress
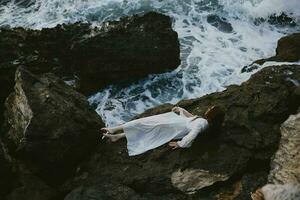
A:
(150, 132)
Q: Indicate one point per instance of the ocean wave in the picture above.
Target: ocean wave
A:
(212, 58)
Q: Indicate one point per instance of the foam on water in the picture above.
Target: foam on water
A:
(211, 59)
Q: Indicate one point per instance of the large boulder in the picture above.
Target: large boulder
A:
(236, 162)
(117, 51)
(284, 176)
(50, 127)
(126, 51)
(285, 165)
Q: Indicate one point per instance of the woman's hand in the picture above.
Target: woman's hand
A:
(174, 145)
(176, 109)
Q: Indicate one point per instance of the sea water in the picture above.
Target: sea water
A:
(211, 58)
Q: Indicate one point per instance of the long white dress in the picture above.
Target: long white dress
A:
(150, 132)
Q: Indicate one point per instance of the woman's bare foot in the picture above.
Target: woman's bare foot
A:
(257, 195)
(107, 130)
(112, 137)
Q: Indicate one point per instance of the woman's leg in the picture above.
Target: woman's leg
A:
(114, 137)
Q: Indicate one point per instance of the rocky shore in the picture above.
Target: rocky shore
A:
(50, 147)
(90, 58)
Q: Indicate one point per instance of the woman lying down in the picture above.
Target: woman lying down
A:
(151, 132)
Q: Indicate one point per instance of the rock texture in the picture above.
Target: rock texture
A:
(52, 133)
(50, 126)
(192, 180)
(232, 162)
(31, 187)
(6, 172)
(284, 177)
(90, 58)
(118, 51)
(285, 166)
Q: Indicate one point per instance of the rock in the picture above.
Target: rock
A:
(6, 172)
(250, 182)
(240, 153)
(288, 50)
(191, 180)
(118, 51)
(126, 51)
(281, 20)
(285, 165)
(50, 126)
(102, 192)
(250, 68)
(32, 188)
(281, 192)
(90, 58)
(220, 23)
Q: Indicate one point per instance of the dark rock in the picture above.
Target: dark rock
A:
(118, 51)
(102, 191)
(32, 188)
(50, 126)
(126, 50)
(288, 50)
(281, 20)
(250, 182)
(6, 172)
(241, 152)
(250, 68)
(220, 23)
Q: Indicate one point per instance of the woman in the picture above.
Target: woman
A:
(150, 132)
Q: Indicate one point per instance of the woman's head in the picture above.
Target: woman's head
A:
(215, 116)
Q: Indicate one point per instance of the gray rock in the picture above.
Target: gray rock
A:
(192, 180)
(285, 165)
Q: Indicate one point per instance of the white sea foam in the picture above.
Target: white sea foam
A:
(211, 59)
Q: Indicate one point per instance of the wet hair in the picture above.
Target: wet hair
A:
(215, 117)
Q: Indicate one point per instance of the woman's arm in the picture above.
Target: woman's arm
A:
(182, 111)
(187, 140)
